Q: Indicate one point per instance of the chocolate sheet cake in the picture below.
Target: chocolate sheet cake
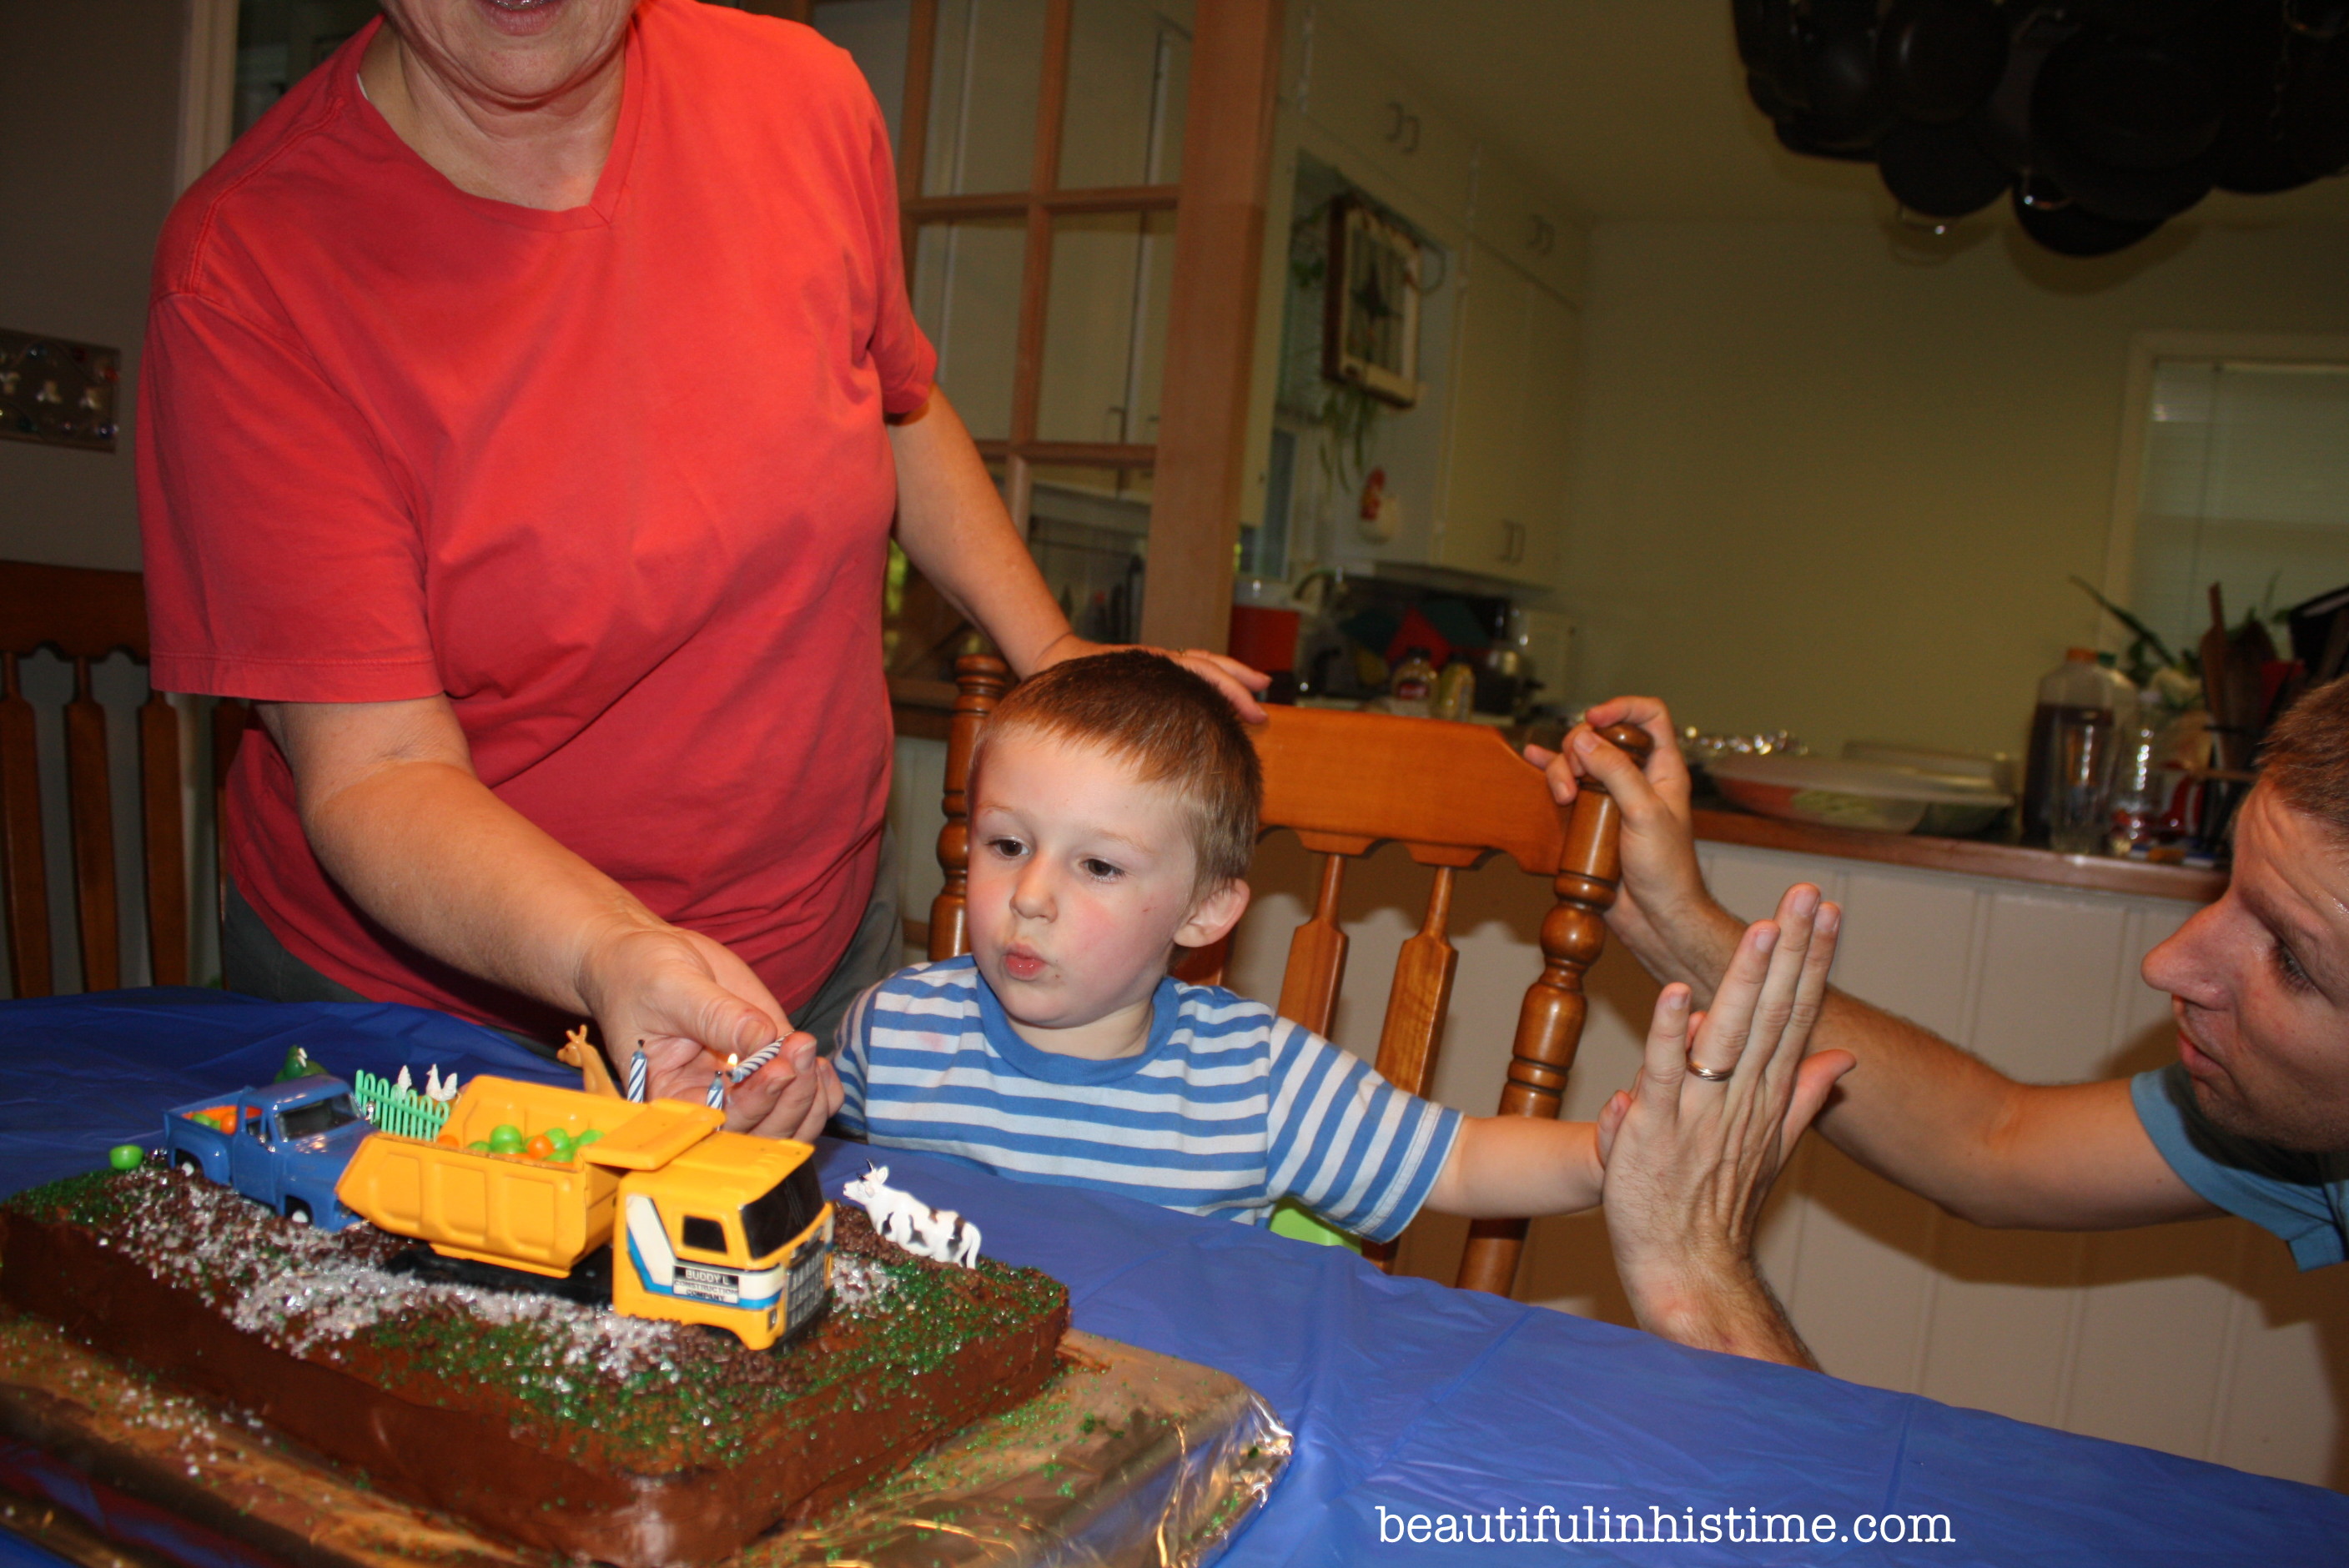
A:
(560, 1424)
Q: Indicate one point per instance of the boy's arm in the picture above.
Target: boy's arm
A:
(1504, 1166)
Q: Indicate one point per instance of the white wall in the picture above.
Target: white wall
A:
(1824, 487)
(88, 113)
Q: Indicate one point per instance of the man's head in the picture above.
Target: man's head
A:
(2259, 980)
(1113, 812)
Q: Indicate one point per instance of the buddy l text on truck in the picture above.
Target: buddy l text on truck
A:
(705, 1226)
(282, 1144)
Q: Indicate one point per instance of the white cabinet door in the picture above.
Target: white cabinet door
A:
(1529, 226)
(1389, 123)
(1512, 410)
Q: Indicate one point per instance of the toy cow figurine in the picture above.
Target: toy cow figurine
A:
(940, 1235)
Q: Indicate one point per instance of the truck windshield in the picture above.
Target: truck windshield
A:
(789, 1207)
(304, 1120)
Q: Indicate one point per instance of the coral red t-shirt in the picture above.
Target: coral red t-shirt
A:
(614, 478)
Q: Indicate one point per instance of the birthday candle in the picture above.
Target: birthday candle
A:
(637, 1068)
(753, 1062)
(717, 1091)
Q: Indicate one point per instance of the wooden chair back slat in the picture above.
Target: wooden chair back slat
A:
(1317, 956)
(26, 878)
(165, 836)
(231, 719)
(90, 797)
(1420, 995)
(85, 616)
(1452, 796)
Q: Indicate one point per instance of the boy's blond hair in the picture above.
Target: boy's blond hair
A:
(1172, 726)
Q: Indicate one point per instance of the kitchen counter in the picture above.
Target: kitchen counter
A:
(923, 709)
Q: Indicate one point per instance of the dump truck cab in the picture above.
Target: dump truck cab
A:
(734, 1232)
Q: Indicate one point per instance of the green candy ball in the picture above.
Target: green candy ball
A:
(481, 1146)
(593, 1135)
(506, 1137)
(125, 1156)
(564, 1144)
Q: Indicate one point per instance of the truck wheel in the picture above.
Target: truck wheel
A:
(190, 1165)
(298, 1210)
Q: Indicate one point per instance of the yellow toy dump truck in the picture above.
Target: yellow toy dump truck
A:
(705, 1226)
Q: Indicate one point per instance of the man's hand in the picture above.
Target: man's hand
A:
(1663, 913)
(1239, 683)
(1690, 1155)
(695, 1008)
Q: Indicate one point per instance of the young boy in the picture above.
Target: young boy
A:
(1114, 805)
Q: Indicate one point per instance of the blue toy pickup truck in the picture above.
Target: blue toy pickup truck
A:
(281, 1144)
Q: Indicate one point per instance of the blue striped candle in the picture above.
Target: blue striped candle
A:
(753, 1062)
(637, 1069)
(717, 1091)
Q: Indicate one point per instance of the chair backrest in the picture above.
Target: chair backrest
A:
(85, 615)
(1452, 795)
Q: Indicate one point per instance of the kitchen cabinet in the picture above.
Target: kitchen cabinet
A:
(1533, 228)
(1511, 417)
(1386, 122)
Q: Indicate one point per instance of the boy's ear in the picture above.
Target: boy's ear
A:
(1213, 914)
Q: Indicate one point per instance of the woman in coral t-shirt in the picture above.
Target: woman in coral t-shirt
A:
(528, 400)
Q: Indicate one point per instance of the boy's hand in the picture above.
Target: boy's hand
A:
(1690, 1158)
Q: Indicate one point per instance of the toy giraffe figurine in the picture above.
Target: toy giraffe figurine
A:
(595, 1077)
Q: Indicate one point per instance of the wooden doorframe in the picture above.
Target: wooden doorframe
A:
(1227, 133)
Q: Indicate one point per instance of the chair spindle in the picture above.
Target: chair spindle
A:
(1317, 956)
(980, 681)
(1550, 1019)
(166, 842)
(20, 840)
(89, 794)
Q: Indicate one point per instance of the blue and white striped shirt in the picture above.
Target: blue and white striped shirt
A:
(1227, 1109)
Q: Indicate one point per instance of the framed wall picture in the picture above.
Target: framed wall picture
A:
(1370, 329)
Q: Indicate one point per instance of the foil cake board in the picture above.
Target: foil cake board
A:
(1128, 1457)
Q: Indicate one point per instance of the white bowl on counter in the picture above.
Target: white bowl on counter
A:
(1871, 797)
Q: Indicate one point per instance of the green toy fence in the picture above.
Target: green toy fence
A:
(400, 1111)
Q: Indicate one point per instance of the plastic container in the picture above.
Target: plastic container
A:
(2077, 702)
(1264, 626)
(1870, 797)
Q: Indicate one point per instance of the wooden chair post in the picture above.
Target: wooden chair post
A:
(90, 802)
(231, 719)
(1550, 1019)
(26, 876)
(980, 681)
(166, 840)
(1317, 954)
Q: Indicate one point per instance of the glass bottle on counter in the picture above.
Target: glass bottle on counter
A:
(2071, 747)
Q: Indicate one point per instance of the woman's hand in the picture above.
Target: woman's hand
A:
(1692, 1149)
(1663, 913)
(695, 1008)
(1239, 683)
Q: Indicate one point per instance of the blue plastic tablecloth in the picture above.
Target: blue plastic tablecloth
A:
(1416, 1407)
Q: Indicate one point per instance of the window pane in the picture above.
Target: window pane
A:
(1129, 72)
(983, 77)
(1106, 327)
(1088, 531)
(874, 33)
(278, 42)
(2246, 484)
(967, 297)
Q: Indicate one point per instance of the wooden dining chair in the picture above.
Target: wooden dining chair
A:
(1453, 795)
(85, 615)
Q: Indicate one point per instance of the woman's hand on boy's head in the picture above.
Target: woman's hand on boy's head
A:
(1236, 681)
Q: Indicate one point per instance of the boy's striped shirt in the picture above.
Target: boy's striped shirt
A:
(1228, 1108)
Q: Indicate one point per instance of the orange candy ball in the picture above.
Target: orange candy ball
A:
(539, 1147)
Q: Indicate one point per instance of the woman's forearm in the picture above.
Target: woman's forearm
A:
(952, 525)
(396, 815)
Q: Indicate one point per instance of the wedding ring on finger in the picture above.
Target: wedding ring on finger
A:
(1710, 1074)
